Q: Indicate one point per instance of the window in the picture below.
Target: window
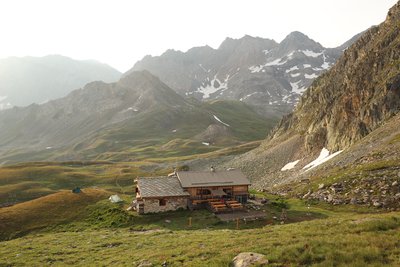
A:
(203, 192)
(162, 202)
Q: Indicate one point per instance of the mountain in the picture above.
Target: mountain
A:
(348, 118)
(137, 116)
(27, 80)
(257, 71)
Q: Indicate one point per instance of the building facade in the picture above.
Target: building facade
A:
(182, 190)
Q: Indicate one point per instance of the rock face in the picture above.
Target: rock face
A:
(260, 72)
(28, 80)
(359, 94)
(247, 259)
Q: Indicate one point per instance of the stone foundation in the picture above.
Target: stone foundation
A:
(152, 205)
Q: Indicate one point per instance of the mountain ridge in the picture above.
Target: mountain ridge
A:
(268, 75)
(27, 80)
(117, 121)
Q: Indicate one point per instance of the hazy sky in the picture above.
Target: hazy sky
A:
(120, 32)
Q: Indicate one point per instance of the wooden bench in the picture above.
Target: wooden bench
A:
(218, 205)
(217, 209)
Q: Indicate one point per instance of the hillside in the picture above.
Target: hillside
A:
(105, 234)
(27, 80)
(269, 76)
(61, 207)
(356, 96)
(137, 117)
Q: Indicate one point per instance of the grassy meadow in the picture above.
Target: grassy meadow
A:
(99, 233)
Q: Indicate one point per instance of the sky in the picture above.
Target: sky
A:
(121, 32)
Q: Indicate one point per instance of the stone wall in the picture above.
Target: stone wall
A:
(152, 205)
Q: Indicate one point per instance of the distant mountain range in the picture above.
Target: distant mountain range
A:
(136, 117)
(267, 75)
(27, 80)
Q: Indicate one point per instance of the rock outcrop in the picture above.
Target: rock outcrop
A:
(356, 96)
(248, 259)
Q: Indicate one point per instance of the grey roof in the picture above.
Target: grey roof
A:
(212, 178)
(160, 187)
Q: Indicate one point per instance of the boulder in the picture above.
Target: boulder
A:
(145, 263)
(307, 195)
(377, 204)
(245, 259)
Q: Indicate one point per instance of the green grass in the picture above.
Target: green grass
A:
(89, 232)
(348, 240)
(29, 181)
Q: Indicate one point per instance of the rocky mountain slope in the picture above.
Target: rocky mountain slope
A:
(28, 80)
(366, 173)
(355, 97)
(257, 71)
(139, 115)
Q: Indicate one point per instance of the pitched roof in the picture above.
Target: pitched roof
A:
(212, 178)
(160, 187)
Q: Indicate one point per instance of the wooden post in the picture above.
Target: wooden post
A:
(237, 224)
(190, 221)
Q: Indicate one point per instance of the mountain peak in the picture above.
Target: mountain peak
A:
(141, 76)
(298, 40)
(296, 35)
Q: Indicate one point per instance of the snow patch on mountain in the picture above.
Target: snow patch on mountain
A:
(310, 76)
(324, 156)
(276, 62)
(133, 108)
(290, 165)
(213, 86)
(247, 96)
(217, 119)
(326, 65)
(292, 69)
(296, 88)
(295, 75)
(310, 53)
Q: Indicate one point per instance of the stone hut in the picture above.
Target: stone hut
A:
(190, 190)
(158, 194)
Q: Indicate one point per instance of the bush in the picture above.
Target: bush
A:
(280, 203)
(183, 168)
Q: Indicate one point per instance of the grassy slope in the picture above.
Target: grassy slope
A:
(32, 180)
(107, 235)
(28, 181)
(169, 133)
(53, 209)
(161, 132)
